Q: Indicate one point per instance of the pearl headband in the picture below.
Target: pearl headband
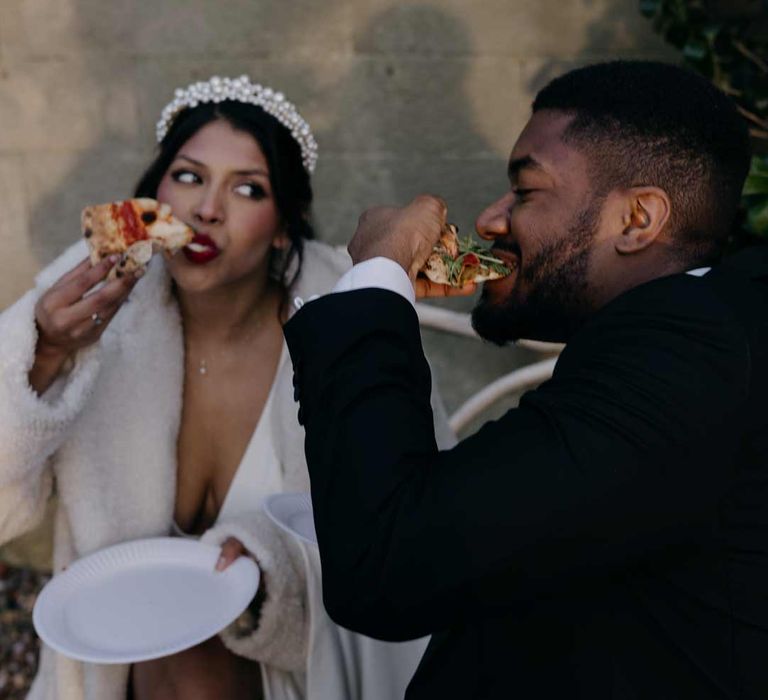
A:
(243, 90)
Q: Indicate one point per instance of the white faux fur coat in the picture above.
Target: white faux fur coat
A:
(105, 434)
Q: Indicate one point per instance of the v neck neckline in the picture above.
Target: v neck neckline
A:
(259, 428)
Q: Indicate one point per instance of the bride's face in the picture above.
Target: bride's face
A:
(219, 185)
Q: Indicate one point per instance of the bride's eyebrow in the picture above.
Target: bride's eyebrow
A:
(253, 171)
(246, 171)
(181, 156)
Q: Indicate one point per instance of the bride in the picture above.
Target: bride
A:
(162, 402)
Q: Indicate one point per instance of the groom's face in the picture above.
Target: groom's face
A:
(545, 227)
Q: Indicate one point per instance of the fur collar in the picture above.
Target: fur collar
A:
(116, 474)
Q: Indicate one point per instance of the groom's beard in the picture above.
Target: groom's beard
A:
(556, 300)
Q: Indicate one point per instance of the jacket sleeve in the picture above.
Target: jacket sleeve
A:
(278, 634)
(33, 427)
(621, 456)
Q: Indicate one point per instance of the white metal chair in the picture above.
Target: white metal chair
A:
(517, 381)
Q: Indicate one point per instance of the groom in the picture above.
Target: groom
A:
(609, 537)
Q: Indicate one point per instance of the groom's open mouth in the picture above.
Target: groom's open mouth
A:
(511, 259)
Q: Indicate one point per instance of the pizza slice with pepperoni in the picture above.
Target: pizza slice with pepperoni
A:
(132, 229)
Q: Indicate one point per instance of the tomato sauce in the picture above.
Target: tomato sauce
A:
(130, 226)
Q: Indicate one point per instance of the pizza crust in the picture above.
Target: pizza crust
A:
(435, 269)
(132, 229)
(137, 256)
(101, 233)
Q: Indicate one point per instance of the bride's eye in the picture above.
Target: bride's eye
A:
(186, 177)
(252, 190)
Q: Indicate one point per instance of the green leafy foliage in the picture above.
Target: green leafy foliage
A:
(728, 43)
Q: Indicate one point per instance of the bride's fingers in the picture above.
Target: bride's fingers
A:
(230, 550)
(115, 292)
(112, 294)
(88, 328)
(76, 271)
(68, 292)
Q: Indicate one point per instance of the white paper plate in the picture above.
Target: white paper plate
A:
(142, 600)
(293, 513)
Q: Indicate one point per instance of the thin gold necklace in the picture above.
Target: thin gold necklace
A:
(202, 363)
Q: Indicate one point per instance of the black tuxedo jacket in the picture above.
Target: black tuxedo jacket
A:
(606, 539)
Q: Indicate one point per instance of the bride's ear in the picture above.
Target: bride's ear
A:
(281, 241)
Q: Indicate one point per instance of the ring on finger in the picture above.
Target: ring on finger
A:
(97, 320)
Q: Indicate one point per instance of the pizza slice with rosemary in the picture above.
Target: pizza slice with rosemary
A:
(132, 229)
(455, 261)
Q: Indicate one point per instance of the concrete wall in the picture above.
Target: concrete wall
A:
(403, 97)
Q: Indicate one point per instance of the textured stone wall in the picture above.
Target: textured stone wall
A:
(404, 97)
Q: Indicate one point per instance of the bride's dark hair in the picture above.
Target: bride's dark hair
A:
(290, 183)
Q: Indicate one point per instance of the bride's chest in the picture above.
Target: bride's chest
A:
(218, 420)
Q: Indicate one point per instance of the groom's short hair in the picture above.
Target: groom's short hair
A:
(651, 123)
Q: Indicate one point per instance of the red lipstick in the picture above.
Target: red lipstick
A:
(201, 250)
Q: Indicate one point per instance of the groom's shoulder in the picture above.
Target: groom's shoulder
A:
(673, 298)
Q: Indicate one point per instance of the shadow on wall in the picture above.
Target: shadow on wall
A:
(398, 120)
(408, 80)
(122, 52)
(403, 124)
(617, 30)
(97, 45)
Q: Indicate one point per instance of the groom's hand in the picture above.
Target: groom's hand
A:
(403, 234)
(407, 236)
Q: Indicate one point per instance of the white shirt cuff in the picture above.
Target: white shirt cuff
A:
(380, 273)
(699, 271)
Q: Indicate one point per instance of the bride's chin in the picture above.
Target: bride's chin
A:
(189, 279)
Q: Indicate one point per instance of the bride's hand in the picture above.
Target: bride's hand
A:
(231, 550)
(71, 315)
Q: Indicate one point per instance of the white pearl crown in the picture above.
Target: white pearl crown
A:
(241, 89)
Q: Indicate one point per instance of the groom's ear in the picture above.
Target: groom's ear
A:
(646, 212)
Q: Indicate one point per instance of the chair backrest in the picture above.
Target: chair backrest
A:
(517, 381)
